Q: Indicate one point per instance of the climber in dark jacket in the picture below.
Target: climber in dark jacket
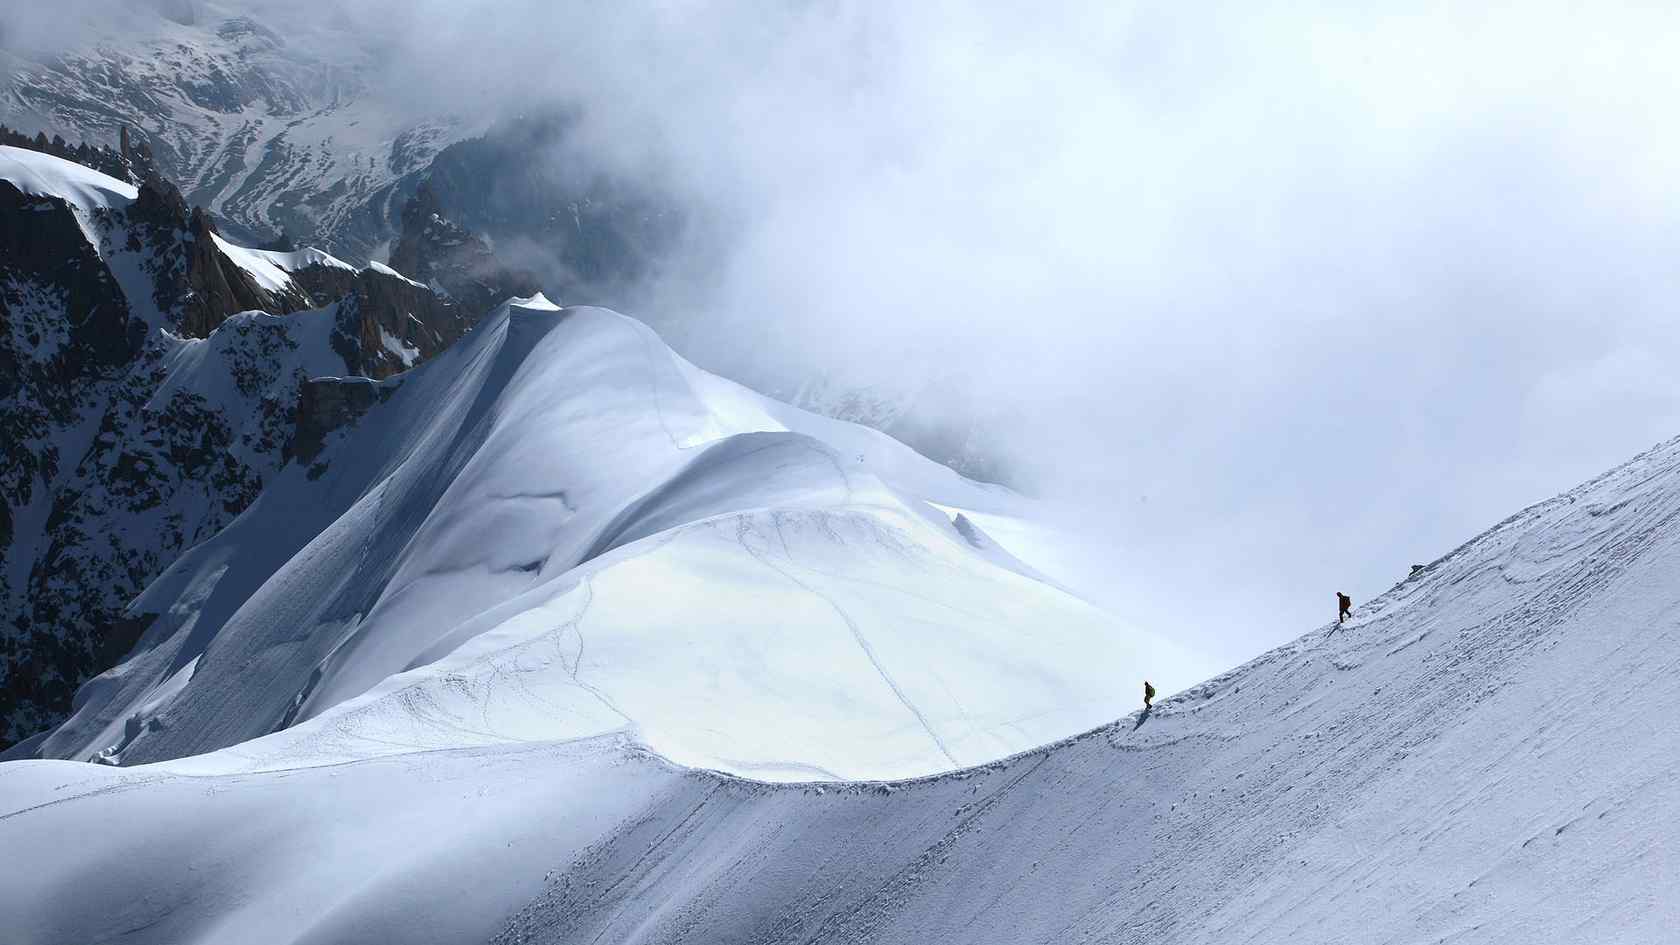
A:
(1344, 605)
(1148, 694)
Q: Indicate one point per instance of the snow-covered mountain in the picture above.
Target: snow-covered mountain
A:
(273, 127)
(833, 570)
(520, 704)
(524, 629)
(558, 529)
(281, 127)
(268, 127)
(147, 390)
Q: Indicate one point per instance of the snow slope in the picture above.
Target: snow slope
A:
(269, 125)
(43, 175)
(1485, 754)
(559, 529)
(274, 270)
(84, 189)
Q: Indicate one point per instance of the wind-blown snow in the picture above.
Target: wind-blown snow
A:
(84, 189)
(383, 269)
(1484, 754)
(268, 275)
(43, 175)
(301, 259)
(273, 270)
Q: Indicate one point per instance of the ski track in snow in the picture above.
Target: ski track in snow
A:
(744, 529)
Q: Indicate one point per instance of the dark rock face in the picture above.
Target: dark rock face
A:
(323, 284)
(41, 244)
(216, 288)
(127, 443)
(194, 279)
(326, 404)
(452, 258)
(384, 324)
(588, 236)
(397, 324)
(65, 336)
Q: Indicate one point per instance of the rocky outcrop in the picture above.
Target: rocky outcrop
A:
(326, 404)
(196, 282)
(102, 158)
(395, 324)
(144, 405)
(385, 323)
(66, 335)
(216, 288)
(43, 250)
(453, 259)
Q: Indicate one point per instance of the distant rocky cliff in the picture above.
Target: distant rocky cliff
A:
(151, 377)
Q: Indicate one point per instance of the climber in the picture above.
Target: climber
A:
(1344, 606)
(1148, 694)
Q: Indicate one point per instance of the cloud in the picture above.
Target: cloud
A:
(1283, 298)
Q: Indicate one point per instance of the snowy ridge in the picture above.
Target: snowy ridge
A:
(43, 175)
(268, 275)
(383, 269)
(1443, 767)
(470, 563)
(273, 270)
(88, 191)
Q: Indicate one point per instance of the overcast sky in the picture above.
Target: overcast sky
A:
(1284, 298)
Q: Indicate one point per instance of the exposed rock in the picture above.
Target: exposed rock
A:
(217, 288)
(326, 404)
(120, 454)
(282, 243)
(101, 157)
(42, 244)
(66, 335)
(451, 258)
(385, 324)
(196, 281)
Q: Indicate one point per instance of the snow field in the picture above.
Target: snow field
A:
(1483, 755)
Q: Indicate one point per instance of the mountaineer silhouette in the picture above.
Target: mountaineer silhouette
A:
(1344, 607)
